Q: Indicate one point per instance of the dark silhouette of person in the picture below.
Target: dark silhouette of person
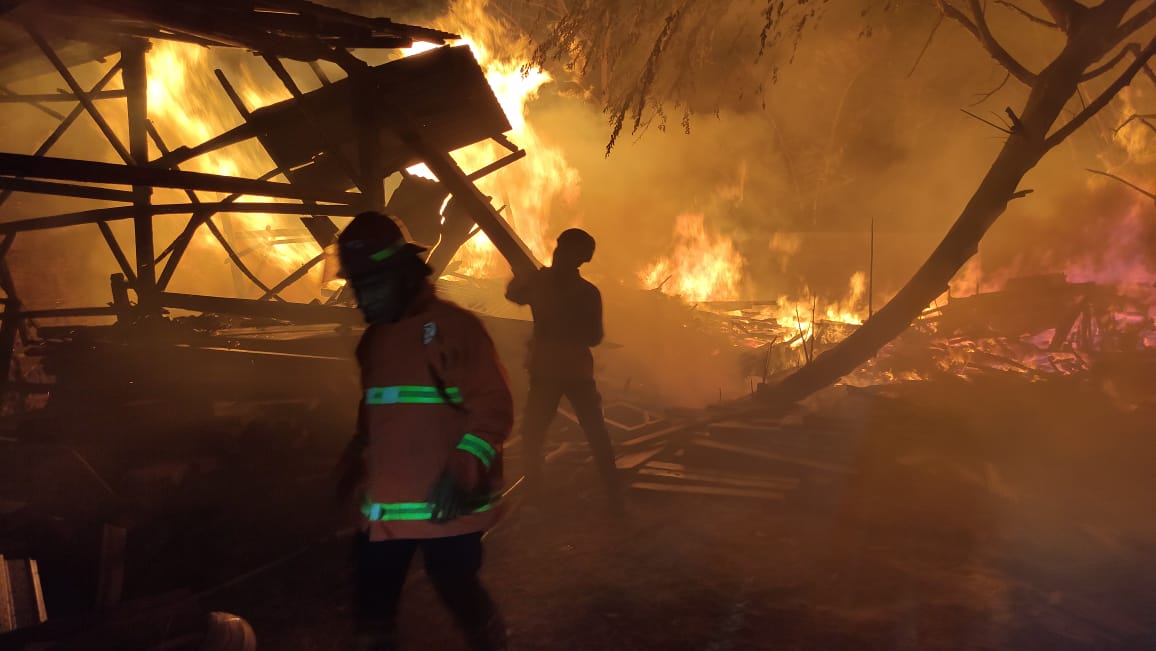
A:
(567, 312)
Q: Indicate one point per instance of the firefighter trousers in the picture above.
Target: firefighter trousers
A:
(452, 565)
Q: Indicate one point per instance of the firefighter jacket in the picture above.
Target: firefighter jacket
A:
(433, 385)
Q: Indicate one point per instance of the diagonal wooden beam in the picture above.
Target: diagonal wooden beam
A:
(181, 243)
(278, 69)
(117, 252)
(501, 234)
(275, 291)
(193, 224)
(236, 259)
(81, 95)
(67, 122)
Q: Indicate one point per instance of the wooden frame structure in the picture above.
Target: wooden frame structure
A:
(357, 135)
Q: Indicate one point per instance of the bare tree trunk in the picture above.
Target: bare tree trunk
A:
(1093, 34)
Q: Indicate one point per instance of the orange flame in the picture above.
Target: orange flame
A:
(186, 106)
(530, 187)
(703, 266)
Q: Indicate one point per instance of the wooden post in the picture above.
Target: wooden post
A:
(136, 85)
(371, 181)
(9, 328)
(871, 274)
(110, 583)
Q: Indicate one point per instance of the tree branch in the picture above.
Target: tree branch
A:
(1138, 21)
(983, 97)
(1064, 12)
(981, 32)
(1135, 187)
(1137, 116)
(1134, 48)
(987, 122)
(1102, 100)
(934, 28)
(1027, 14)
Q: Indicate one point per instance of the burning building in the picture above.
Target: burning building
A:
(827, 309)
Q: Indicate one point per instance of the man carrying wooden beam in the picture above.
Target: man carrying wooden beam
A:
(567, 313)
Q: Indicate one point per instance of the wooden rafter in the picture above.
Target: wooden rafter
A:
(44, 167)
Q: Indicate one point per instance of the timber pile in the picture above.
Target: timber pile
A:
(1036, 326)
(761, 458)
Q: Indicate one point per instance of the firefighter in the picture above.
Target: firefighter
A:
(567, 311)
(427, 455)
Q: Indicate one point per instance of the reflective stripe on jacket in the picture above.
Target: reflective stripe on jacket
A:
(433, 384)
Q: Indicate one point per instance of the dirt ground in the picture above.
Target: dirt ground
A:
(992, 513)
(972, 515)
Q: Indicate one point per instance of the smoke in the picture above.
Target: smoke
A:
(794, 156)
(854, 134)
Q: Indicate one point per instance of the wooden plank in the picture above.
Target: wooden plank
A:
(485, 171)
(667, 465)
(60, 97)
(292, 312)
(293, 277)
(501, 234)
(666, 431)
(110, 584)
(66, 169)
(635, 459)
(744, 427)
(64, 189)
(563, 448)
(26, 595)
(7, 609)
(763, 454)
(59, 313)
(6, 93)
(774, 484)
(118, 213)
(708, 490)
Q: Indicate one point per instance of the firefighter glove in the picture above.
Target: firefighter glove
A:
(456, 487)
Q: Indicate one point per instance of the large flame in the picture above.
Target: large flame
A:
(702, 267)
(188, 109)
(705, 267)
(529, 188)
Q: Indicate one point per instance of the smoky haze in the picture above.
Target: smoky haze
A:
(850, 133)
(790, 156)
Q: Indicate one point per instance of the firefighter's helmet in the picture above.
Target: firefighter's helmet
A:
(372, 242)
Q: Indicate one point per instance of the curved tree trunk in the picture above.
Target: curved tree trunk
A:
(1088, 41)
